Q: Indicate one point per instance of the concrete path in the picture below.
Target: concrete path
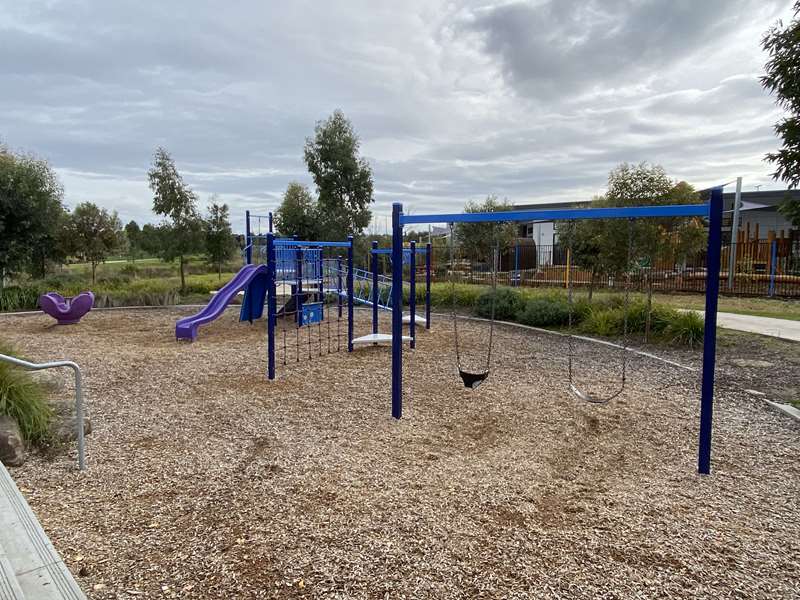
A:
(30, 567)
(780, 328)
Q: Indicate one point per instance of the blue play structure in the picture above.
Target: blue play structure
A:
(373, 289)
(712, 210)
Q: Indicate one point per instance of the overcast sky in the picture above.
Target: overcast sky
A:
(533, 101)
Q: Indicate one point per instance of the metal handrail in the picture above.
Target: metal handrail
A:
(78, 394)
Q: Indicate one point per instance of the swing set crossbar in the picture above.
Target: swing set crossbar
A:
(567, 214)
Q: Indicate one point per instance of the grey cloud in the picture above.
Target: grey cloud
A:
(558, 47)
(453, 101)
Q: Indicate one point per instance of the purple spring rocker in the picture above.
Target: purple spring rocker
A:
(66, 311)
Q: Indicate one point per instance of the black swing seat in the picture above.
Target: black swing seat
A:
(586, 397)
(472, 380)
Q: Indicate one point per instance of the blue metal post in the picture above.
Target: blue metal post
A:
(397, 311)
(298, 273)
(269, 216)
(339, 287)
(412, 296)
(710, 333)
(428, 285)
(375, 295)
(321, 275)
(248, 238)
(773, 267)
(271, 306)
(350, 294)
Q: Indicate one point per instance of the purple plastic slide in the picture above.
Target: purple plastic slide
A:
(186, 328)
(66, 310)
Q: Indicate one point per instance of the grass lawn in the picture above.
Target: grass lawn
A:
(759, 307)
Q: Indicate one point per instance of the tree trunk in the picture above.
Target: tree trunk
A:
(183, 276)
(219, 271)
(591, 284)
(94, 271)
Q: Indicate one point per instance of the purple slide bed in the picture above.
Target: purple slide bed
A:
(186, 328)
(66, 310)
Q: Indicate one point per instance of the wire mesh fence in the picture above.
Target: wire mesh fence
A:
(763, 268)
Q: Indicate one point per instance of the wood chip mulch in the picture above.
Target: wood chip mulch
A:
(207, 481)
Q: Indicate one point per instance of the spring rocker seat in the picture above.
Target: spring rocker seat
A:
(67, 311)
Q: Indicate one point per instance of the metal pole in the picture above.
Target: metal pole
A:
(737, 204)
(248, 241)
(298, 272)
(350, 294)
(269, 216)
(375, 295)
(321, 275)
(773, 267)
(397, 312)
(339, 283)
(428, 259)
(516, 263)
(710, 333)
(271, 305)
(78, 395)
(412, 296)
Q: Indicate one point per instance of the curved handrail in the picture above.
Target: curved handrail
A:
(78, 394)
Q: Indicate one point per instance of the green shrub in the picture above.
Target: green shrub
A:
(606, 322)
(544, 312)
(24, 400)
(129, 270)
(506, 302)
(16, 298)
(442, 294)
(685, 329)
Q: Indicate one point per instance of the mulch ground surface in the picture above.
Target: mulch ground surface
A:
(205, 480)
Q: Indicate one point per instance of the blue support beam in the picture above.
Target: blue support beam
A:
(374, 288)
(397, 311)
(309, 244)
(428, 285)
(632, 212)
(710, 332)
(412, 296)
(350, 293)
(271, 307)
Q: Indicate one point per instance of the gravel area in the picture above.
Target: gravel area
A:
(207, 481)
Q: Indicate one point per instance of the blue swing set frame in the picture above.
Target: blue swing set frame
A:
(711, 210)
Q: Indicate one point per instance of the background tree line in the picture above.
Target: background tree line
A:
(38, 233)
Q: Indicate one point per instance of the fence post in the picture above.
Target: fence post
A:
(773, 267)
(269, 216)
